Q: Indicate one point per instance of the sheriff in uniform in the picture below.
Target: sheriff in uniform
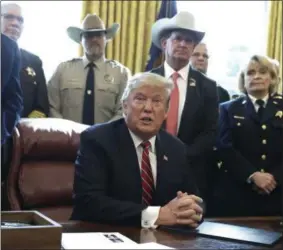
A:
(250, 146)
(88, 89)
(31, 75)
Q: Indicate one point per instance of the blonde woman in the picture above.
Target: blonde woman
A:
(250, 145)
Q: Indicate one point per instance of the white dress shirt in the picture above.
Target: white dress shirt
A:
(182, 83)
(256, 106)
(150, 214)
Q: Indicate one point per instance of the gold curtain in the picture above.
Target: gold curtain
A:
(131, 45)
(274, 42)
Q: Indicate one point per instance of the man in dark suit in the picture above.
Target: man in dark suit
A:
(193, 109)
(31, 75)
(11, 93)
(199, 61)
(132, 173)
(250, 146)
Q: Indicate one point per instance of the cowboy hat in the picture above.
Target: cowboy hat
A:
(92, 23)
(181, 21)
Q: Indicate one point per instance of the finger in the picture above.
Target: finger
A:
(265, 189)
(185, 214)
(271, 187)
(181, 194)
(198, 209)
(196, 198)
(185, 222)
(184, 202)
(196, 217)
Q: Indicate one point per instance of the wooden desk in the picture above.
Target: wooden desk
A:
(178, 240)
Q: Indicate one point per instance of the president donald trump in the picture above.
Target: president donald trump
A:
(129, 171)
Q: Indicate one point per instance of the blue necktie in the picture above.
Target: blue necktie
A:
(88, 107)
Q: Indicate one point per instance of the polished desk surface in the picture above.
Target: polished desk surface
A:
(178, 240)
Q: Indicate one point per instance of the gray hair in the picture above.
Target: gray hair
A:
(146, 78)
(7, 5)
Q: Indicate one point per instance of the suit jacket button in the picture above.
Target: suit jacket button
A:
(263, 157)
(263, 127)
(264, 141)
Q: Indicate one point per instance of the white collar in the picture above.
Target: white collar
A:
(137, 141)
(184, 72)
(253, 99)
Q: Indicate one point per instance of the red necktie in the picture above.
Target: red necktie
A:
(146, 175)
(172, 116)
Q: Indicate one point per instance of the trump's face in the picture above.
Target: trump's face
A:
(145, 110)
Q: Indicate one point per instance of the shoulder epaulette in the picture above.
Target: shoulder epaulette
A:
(113, 63)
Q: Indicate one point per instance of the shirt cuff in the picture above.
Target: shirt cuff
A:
(149, 217)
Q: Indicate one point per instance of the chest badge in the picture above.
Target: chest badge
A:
(108, 79)
(279, 114)
(30, 71)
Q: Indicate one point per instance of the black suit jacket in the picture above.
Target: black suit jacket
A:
(199, 121)
(33, 85)
(11, 91)
(107, 182)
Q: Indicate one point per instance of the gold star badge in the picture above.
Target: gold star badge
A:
(30, 71)
(279, 114)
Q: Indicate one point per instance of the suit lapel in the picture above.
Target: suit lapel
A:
(192, 100)
(127, 155)
(24, 60)
(160, 159)
(159, 71)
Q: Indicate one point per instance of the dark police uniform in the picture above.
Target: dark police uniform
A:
(34, 86)
(245, 145)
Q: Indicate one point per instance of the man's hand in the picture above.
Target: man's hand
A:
(183, 210)
(264, 181)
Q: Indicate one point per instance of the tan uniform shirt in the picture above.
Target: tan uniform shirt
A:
(66, 89)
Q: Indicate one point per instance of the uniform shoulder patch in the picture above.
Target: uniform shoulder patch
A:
(74, 60)
(113, 63)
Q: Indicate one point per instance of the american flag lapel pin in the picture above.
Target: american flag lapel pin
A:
(165, 158)
(192, 82)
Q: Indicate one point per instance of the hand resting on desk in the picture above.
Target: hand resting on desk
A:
(182, 210)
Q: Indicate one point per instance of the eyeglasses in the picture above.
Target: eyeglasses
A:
(11, 17)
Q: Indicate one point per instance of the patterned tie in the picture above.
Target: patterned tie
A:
(88, 106)
(146, 175)
(172, 116)
(260, 103)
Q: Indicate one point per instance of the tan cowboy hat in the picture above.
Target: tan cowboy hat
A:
(181, 21)
(92, 23)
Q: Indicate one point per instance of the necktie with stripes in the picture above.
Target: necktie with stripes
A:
(146, 175)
